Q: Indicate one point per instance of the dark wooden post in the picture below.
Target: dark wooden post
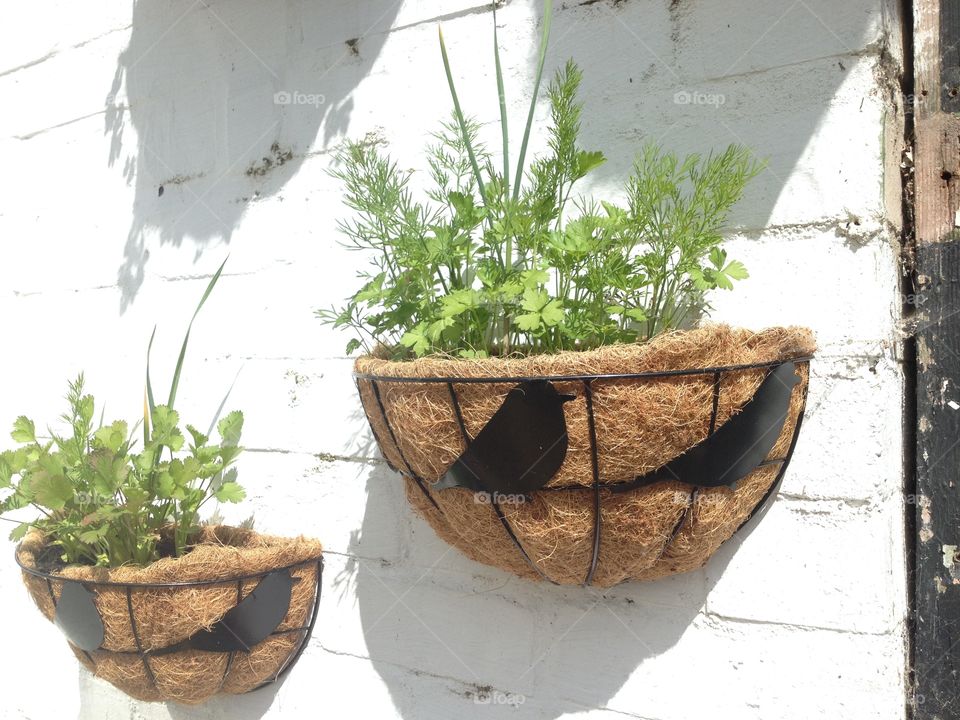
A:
(936, 588)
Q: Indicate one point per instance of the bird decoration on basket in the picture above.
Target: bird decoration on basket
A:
(244, 626)
(520, 448)
(738, 446)
(525, 442)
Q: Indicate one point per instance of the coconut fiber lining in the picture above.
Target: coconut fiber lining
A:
(164, 616)
(640, 425)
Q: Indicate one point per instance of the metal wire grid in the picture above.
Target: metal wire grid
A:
(588, 382)
(144, 655)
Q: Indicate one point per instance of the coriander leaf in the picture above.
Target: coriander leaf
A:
(51, 491)
(534, 300)
(24, 430)
(112, 437)
(230, 492)
(199, 439)
(587, 161)
(230, 428)
(416, 339)
(718, 257)
(552, 313)
(528, 322)
(166, 487)
(736, 270)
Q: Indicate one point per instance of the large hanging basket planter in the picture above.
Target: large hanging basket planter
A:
(635, 409)
(231, 615)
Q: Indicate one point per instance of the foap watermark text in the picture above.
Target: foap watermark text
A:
(295, 97)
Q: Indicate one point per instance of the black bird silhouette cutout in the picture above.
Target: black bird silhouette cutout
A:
(78, 618)
(738, 446)
(520, 448)
(247, 624)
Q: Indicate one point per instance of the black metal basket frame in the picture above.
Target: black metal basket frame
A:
(588, 381)
(131, 587)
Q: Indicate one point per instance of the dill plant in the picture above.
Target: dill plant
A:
(492, 264)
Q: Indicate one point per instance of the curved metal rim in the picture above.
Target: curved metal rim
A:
(652, 374)
(182, 584)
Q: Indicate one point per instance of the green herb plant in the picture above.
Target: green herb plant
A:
(103, 501)
(490, 263)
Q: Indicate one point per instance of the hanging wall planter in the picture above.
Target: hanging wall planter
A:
(528, 365)
(641, 480)
(230, 616)
(151, 597)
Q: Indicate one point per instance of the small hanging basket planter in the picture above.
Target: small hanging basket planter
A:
(229, 616)
(630, 462)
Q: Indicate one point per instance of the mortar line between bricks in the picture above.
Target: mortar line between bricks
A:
(407, 668)
(710, 614)
(473, 10)
(322, 456)
(836, 223)
(605, 708)
(866, 51)
(57, 126)
(851, 501)
(54, 53)
(752, 234)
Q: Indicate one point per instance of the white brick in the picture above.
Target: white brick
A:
(850, 442)
(843, 290)
(814, 564)
(420, 625)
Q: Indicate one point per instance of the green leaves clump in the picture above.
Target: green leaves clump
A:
(104, 503)
(102, 500)
(478, 267)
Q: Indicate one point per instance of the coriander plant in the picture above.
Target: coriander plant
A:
(103, 501)
(483, 265)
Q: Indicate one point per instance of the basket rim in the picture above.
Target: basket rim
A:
(314, 559)
(650, 374)
(666, 355)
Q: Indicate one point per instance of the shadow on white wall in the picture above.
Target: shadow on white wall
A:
(511, 646)
(226, 99)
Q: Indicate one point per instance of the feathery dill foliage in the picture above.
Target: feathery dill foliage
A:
(480, 268)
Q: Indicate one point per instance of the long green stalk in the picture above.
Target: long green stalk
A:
(503, 106)
(186, 337)
(544, 41)
(461, 120)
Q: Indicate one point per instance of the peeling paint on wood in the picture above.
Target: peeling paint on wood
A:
(936, 621)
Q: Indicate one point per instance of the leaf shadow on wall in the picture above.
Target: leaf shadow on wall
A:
(226, 99)
(454, 638)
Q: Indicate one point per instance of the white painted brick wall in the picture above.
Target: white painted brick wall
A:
(803, 617)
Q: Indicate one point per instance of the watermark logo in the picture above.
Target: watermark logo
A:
(695, 97)
(485, 498)
(702, 499)
(93, 498)
(295, 97)
(496, 697)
